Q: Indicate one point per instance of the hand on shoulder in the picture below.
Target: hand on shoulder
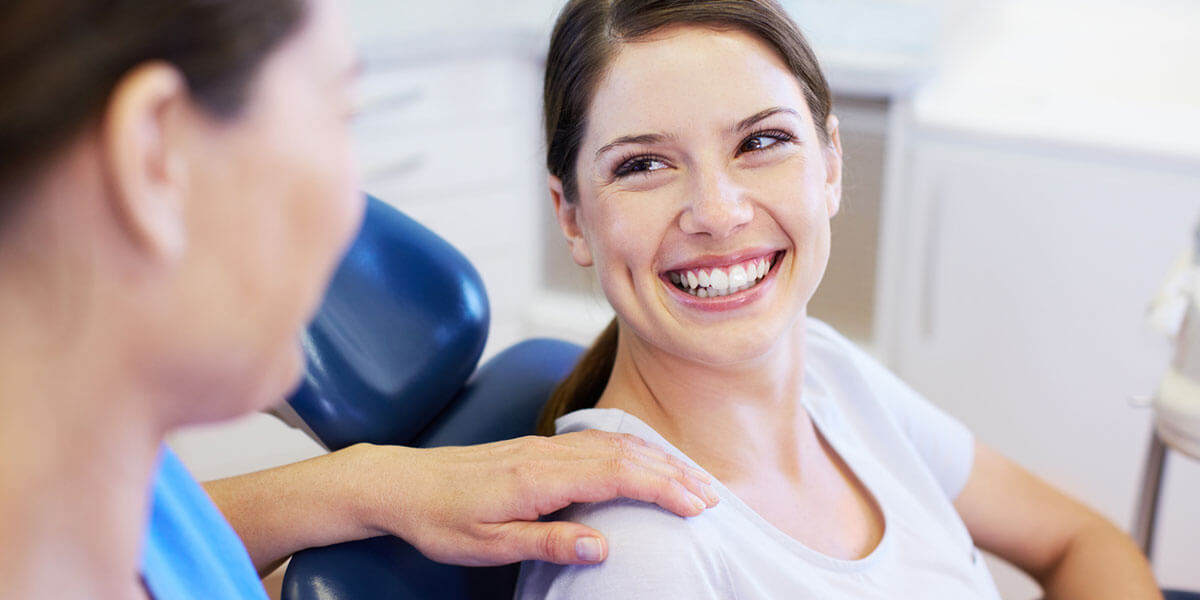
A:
(481, 505)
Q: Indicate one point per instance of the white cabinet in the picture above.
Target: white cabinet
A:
(449, 135)
(1020, 296)
(1040, 187)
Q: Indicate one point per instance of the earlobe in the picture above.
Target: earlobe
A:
(144, 165)
(568, 220)
(833, 167)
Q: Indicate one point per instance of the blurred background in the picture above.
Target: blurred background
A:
(1020, 177)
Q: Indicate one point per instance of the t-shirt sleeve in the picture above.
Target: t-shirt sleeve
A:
(944, 443)
(652, 554)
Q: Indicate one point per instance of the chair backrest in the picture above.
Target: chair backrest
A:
(390, 353)
(400, 330)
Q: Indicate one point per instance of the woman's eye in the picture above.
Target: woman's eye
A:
(762, 141)
(640, 164)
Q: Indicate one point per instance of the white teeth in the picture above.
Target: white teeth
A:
(737, 276)
(721, 282)
(718, 279)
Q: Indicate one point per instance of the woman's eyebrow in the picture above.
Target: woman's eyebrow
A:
(644, 138)
(749, 122)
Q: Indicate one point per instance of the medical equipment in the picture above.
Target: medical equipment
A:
(1176, 311)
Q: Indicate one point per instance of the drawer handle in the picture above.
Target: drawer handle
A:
(392, 100)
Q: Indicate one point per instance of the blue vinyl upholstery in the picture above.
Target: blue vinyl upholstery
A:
(502, 401)
(401, 329)
(390, 360)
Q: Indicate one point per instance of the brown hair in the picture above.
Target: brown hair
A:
(585, 38)
(61, 59)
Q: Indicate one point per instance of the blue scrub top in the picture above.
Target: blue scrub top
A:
(190, 550)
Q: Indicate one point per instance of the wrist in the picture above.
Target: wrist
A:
(373, 479)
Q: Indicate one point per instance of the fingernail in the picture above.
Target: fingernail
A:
(699, 503)
(711, 494)
(588, 549)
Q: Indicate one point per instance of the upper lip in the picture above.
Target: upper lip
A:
(709, 261)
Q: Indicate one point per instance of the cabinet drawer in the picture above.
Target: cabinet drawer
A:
(442, 92)
(479, 155)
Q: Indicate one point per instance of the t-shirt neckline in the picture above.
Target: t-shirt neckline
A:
(615, 419)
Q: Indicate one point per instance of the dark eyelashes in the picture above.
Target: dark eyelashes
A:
(629, 164)
(778, 135)
(640, 163)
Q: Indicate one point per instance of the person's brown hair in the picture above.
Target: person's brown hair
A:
(586, 37)
(61, 59)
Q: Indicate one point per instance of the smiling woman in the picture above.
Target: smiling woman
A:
(695, 164)
(581, 49)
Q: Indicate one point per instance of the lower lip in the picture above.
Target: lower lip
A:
(728, 302)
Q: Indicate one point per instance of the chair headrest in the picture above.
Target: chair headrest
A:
(401, 329)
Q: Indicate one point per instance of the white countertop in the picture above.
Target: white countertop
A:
(1102, 74)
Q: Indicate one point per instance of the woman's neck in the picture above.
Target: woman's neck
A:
(732, 419)
(79, 451)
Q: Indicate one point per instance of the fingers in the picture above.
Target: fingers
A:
(626, 466)
(630, 446)
(558, 542)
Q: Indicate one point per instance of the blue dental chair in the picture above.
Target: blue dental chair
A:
(391, 360)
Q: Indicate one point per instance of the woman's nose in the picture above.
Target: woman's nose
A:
(718, 207)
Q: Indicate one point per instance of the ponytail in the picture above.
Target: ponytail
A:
(582, 388)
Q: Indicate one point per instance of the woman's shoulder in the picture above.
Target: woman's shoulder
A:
(631, 525)
(652, 553)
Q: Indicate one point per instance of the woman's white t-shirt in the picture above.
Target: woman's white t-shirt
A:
(912, 457)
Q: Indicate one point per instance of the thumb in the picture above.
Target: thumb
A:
(557, 542)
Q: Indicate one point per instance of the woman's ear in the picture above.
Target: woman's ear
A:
(568, 220)
(833, 166)
(145, 165)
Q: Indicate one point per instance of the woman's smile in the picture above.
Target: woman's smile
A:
(714, 283)
(720, 277)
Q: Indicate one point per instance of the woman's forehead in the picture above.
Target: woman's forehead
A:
(691, 77)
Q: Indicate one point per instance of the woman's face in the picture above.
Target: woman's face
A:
(272, 204)
(704, 194)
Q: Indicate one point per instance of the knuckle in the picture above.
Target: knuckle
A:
(627, 442)
(551, 542)
(681, 468)
(621, 467)
(629, 453)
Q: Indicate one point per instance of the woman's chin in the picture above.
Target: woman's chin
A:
(269, 385)
(288, 376)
